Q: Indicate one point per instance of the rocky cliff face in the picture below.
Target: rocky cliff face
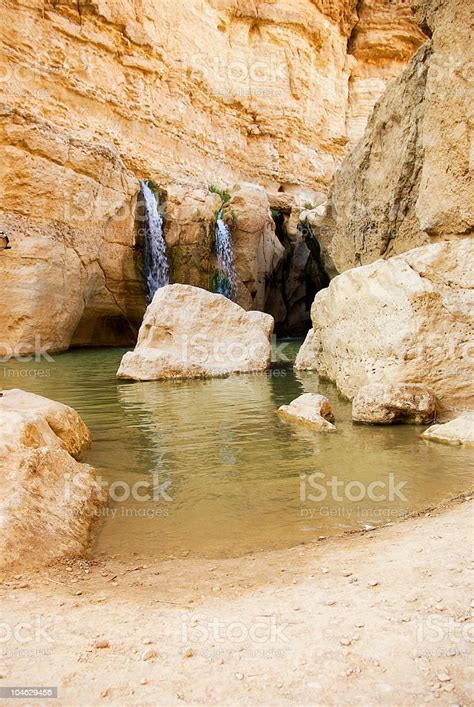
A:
(404, 320)
(408, 318)
(409, 181)
(97, 94)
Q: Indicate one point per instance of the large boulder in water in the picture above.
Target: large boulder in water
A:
(48, 500)
(188, 332)
(403, 320)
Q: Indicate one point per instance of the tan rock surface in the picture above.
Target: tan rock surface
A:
(96, 95)
(257, 250)
(383, 404)
(68, 207)
(48, 500)
(409, 180)
(457, 431)
(404, 320)
(189, 231)
(310, 409)
(206, 83)
(188, 332)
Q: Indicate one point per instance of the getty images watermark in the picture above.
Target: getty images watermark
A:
(129, 499)
(214, 637)
(317, 488)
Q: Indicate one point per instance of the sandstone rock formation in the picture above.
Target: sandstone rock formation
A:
(274, 270)
(409, 181)
(377, 55)
(404, 320)
(386, 404)
(205, 84)
(71, 275)
(189, 231)
(310, 409)
(457, 431)
(48, 500)
(257, 250)
(188, 332)
(99, 94)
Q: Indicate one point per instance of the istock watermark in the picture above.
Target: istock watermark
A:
(33, 351)
(264, 635)
(26, 638)
(441, 636)
(342, 490)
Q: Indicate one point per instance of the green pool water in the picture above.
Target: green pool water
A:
(220, 474)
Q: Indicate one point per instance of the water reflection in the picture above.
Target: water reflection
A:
(208, 467)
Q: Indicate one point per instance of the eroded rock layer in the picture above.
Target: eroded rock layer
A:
(409, 180)
(99, 94)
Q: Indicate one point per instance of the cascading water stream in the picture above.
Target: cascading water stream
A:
(154, 254)
(225, 279)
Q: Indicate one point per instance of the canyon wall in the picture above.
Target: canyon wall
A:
(97, 94)
(408, 182)
(402, 207)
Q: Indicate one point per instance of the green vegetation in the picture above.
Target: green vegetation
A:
(153, 186)
(220, 283)
(224, 195)
(308, 205)
(276, 213)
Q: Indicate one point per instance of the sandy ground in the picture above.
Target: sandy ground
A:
(379, 618)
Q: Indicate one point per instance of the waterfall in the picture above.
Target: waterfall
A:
(154, 252)
(225, 280)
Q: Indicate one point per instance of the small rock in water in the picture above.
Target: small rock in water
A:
(146, 641)
(372, 583)
(188, 653)
(102, 643)
(239, 676)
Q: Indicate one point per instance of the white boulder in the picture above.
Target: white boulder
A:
(48, 500)
(457, 431)
(188, 332)
(311, 409)
(408, 319)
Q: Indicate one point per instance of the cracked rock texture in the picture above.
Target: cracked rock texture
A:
(101, 93)
(409, 182)
(407, 319)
